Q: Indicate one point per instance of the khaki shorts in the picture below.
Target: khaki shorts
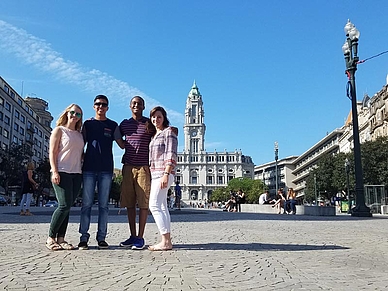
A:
(135, 187)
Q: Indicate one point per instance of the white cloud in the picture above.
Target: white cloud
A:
(38, 53)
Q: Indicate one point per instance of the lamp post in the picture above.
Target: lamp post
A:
(315, 190)
(276, 166)
(347, 170)
(351, 59)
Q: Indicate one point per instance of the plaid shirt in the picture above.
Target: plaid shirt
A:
(163, 152)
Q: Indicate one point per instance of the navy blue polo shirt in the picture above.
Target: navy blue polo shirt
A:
(99, 136)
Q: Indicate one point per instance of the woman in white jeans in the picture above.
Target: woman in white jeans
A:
(163, 155)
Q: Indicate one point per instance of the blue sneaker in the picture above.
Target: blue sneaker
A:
(128, 243)
(139, 244)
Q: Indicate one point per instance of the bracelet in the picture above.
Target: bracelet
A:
(166, 173)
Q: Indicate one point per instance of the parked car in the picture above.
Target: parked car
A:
(3, 201)
(51, 204)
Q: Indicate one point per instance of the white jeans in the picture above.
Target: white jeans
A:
(26, 199)
(158, 204)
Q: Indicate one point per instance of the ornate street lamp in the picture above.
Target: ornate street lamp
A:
(351, 59)
(276, 166)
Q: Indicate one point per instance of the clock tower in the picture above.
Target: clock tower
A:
(199, 172)
(194, 127)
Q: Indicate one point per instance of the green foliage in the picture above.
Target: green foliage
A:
(331, 175)
(43, 174)
(116, 188)
(374, 156)
(219, 195)
(12, 164)
(251, 188)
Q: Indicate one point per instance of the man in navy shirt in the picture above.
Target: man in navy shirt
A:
(99, 133)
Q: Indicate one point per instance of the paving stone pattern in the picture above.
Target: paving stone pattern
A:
(213, 250)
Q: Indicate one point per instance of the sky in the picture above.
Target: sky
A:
(267, 70)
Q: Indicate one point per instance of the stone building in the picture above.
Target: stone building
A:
(308, 160)
(200, 172)
(267, 173)
(24, 121)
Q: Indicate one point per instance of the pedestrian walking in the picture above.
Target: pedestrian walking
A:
(28, 187)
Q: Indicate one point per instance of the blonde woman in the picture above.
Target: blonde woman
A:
(29, 185)
(163, 156)
(66, 149)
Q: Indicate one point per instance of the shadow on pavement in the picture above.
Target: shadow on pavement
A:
(237, 247)
(257, 247)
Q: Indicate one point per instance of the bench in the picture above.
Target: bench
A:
(300, 209)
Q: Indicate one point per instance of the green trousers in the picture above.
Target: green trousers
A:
(66, 192)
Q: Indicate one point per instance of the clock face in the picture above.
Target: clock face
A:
(193, 133)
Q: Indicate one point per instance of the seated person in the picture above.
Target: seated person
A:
(280, 201)
(230, 204)
(265, 198)
(290, 204)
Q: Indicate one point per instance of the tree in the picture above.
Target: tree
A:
(43, 174)
(374, 156)
(251, 188)
(220, 195)
(116, 188)
(328, 178)
(331, 175)
(12, 164)
(256, 189)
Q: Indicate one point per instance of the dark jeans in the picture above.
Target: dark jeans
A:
(66, 193)
(292, 204)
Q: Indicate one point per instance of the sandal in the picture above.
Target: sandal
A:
(53, 246)
(157, 248)
(66, 246)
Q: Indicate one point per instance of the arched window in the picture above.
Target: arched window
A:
(194, 194)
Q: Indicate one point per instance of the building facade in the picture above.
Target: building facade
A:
(308, 161)
(373, 123)
(24, 121)
(199, 172)
(267, 173)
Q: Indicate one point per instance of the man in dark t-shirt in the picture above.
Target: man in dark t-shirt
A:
(99, 133)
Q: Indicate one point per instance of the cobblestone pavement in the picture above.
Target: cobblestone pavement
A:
(212, 250)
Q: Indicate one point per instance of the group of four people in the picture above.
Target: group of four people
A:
(148, 171)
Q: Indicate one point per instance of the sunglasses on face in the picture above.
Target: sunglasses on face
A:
(77, 114)
(101, 104)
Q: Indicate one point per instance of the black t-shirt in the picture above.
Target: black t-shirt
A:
(27, 186)
(99, 136)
